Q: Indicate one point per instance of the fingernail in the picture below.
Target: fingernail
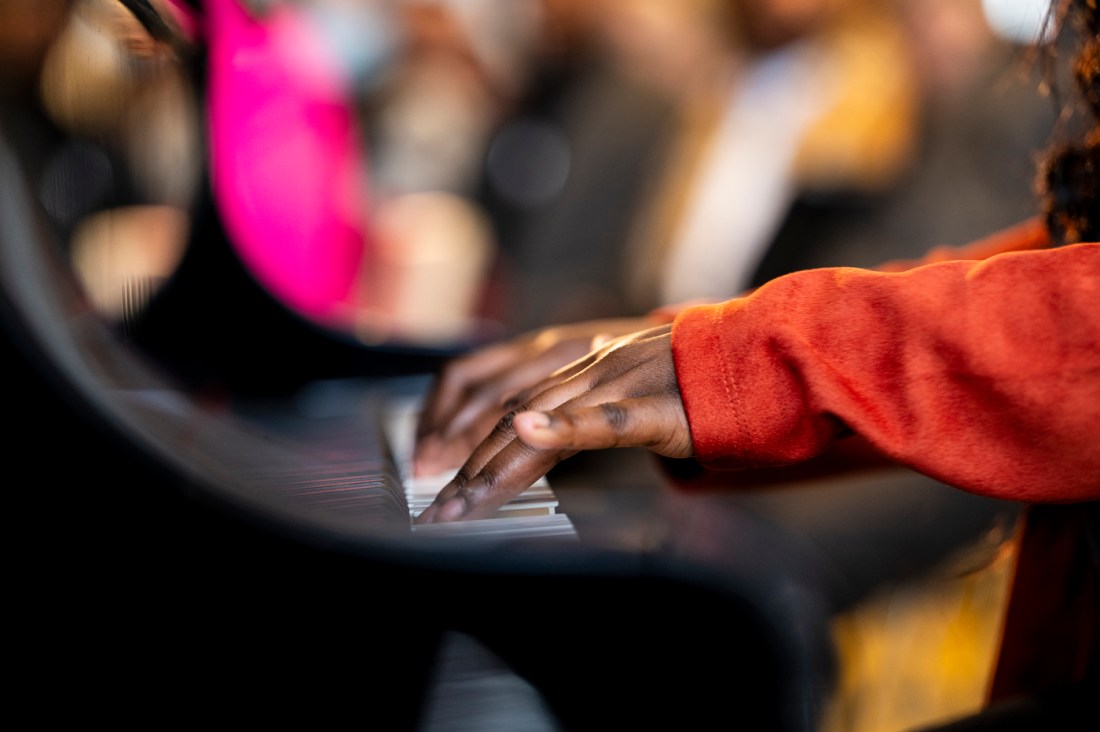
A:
(537, 420)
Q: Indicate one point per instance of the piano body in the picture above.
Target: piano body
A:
(180, 556)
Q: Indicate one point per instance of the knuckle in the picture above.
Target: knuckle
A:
(615, 415)
(504, 424)
(461, 479)
(490, 481)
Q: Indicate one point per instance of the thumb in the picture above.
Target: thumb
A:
(642, 422)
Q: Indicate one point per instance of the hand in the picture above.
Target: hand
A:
(475, 391)
(624, 394)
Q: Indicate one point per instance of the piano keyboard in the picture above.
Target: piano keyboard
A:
(532, 513)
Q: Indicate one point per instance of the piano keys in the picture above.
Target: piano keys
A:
(532, 513)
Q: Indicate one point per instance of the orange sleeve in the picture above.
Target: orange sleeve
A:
(982, 374)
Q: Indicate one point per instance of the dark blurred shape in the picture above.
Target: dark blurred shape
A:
(983, 121)
(566, 169)
(215, 327)
(27, 27)
(155, 577)
(147, 559)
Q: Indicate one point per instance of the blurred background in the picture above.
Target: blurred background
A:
(423, 176)
(532, 162)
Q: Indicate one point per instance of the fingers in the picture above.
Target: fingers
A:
(654, 422)
(506, 475)
(455, 380)
(625, 394)
(444, 445)
(434, 455)
(493, 395)
(525, 447)
(462, 393)
(506, 466)
(555, 391)
(488, 374)
(457, 419)
(501, 467)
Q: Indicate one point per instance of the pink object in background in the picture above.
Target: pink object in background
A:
(286, 161)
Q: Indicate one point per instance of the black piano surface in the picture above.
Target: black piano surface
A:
(163, 574)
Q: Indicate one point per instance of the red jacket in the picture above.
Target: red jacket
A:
(979, 367)
(984, 374)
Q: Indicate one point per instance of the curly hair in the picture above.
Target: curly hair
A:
(1069, 178)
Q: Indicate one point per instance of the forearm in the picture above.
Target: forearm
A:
(985, 375)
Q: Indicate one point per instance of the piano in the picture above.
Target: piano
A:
(186, 555)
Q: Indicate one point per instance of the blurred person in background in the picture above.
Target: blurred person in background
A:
(670, 152)
(456, 74)
(569, 161)
(427, 118)
(982, 118)
(614, 173)
(807, 96)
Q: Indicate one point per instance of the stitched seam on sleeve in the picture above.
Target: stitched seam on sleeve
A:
(732, 388)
